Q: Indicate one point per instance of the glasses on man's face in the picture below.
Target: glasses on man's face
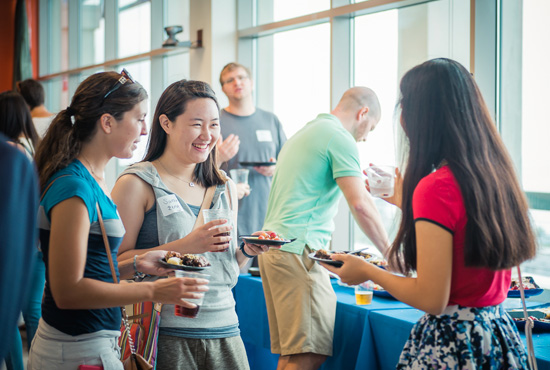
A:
(236, 78)
(125, 77)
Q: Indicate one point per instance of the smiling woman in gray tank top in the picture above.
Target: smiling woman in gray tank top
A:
(159, 201)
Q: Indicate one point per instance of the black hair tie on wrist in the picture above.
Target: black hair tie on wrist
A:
(245, 254)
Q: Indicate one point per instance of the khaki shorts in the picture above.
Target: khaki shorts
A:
(301, 304)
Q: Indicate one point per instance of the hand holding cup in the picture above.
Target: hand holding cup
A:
(219, 214)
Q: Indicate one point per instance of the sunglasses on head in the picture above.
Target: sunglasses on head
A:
(125, 77)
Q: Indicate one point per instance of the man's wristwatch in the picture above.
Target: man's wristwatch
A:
(242, 250)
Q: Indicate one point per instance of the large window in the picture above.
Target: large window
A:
(134, 28)
(387, 44)
(533, 128)
(278, 10)
(57, 57)
(376, 67)
(301, 75)
(92, 32)
(535, 96)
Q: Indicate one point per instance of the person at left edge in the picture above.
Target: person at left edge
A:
(17, 125)
(19, 200)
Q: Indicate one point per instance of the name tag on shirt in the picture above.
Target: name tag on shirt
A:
(169, 204)
(264, 135)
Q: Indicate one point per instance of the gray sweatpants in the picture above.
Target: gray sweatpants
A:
(201, 354)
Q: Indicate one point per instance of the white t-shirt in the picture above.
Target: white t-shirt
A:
(41, 124)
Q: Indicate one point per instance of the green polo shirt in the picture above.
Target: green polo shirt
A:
(304, 195)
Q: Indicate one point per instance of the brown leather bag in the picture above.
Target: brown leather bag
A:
(136, 362)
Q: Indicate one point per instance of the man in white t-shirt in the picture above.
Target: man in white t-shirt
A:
(34, 95)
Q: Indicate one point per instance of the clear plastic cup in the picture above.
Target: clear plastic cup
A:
(381, 180)
(363, 293)
(239, 175)
(190, 312)
(218, 214)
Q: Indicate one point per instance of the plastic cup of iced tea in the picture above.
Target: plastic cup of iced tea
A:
(190, 312)
(218, 214)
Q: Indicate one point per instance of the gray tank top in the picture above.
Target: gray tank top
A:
(218, 309)
(148, 234)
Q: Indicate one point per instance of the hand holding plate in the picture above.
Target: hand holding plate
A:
(267, 171)
(147, 263)
(267, 238)
(354, 270)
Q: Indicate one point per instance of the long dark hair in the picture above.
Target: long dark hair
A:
(78, 123)
(445, 118)
(15, 118)
(173, 103)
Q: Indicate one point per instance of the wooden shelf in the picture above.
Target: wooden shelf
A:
(182, 47)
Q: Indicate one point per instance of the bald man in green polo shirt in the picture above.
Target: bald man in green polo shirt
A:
(315, 167)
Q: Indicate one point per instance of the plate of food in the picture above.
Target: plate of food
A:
(540, 317)
(187, 262)
(266, 238)
(257, 164)
(378, 291)
(530, 288)
(322, 255)
(378, 261)
(370, 257)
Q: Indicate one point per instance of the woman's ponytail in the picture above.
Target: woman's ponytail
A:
(58, 148)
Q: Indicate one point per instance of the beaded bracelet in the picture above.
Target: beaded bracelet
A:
(242, 250)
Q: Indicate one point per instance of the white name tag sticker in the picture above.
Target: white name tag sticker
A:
(264, 135)
(169, 204)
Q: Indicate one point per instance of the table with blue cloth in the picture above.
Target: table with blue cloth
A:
(352, 332)
(368, 337)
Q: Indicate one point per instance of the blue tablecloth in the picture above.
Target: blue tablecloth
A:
(391, 332)
(352, 333)
(367, 337)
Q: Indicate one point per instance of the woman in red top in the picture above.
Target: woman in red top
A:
(464, 225)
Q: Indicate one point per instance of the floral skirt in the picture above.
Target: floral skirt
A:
(464, 338)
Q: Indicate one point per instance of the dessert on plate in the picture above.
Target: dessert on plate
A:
(175, 258)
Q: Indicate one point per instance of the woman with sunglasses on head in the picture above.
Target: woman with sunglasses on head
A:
(81, 314)
(464, 225)
(180, 168)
